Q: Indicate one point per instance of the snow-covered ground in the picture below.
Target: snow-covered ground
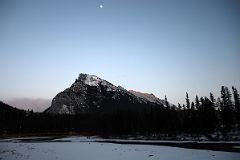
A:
(87, 149)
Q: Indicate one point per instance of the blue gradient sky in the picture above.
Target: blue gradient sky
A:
(162, 46)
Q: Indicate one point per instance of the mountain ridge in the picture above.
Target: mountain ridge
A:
(90, 93)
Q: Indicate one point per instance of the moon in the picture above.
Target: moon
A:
(101, 6)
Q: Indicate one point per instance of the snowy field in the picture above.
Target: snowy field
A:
(82, 148)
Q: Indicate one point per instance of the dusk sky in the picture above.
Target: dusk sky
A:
(164, 47)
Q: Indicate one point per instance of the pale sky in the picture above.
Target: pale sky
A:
(164, 47)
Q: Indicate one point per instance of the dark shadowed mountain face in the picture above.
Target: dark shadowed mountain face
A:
(91, 94)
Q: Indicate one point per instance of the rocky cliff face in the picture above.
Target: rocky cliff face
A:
(90, 93)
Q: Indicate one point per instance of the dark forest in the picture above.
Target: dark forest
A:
(203, 116)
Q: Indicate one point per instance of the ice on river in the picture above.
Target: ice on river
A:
(75, 150)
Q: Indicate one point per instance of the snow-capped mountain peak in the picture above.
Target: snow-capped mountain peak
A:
(90, 80)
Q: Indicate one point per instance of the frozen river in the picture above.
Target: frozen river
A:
(81, 148)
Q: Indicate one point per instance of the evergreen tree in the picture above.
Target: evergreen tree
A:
(202, 103)
(236, 103)
(197, 102)
(226, 108)
(192, 106)
(229, 96)
(166, 102)
(213, 100)
(209, 114)
(187, 101)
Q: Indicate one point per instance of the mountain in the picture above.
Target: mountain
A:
(5, 108)
(91, 94)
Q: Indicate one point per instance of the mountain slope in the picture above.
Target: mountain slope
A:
(5, 108)
(150, 97)
(90, 93)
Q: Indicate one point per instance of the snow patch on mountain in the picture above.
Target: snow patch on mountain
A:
(92, 80)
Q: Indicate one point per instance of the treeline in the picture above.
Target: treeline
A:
(207, 114)
(204, 115)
